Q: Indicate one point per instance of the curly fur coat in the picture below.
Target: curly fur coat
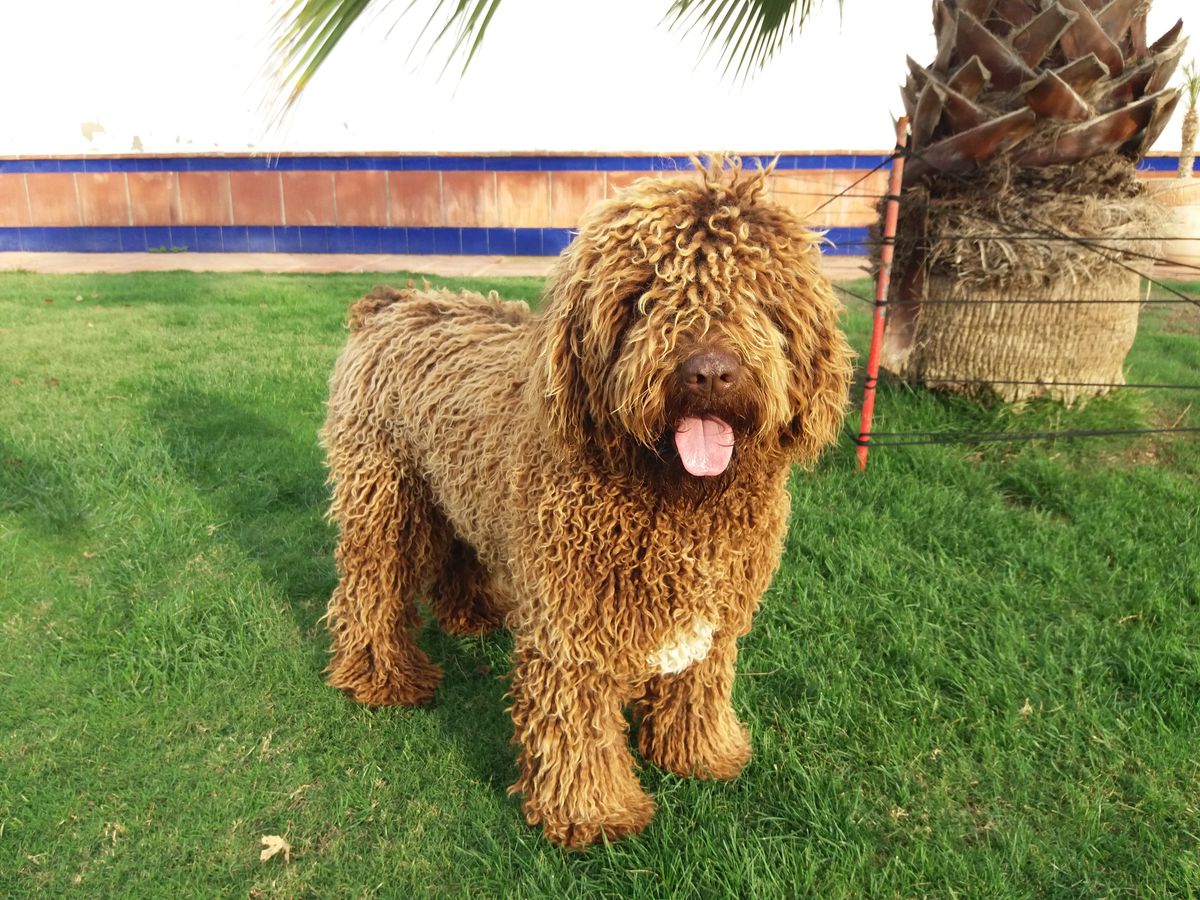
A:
(607, 478)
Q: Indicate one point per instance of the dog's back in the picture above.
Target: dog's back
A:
(464, 307)
(445, 371)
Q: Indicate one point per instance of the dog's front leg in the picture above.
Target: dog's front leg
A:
(576, 772)
(686, 722)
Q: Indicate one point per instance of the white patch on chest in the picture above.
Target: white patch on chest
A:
(687, 646)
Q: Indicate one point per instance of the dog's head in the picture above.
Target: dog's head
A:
(688, 326)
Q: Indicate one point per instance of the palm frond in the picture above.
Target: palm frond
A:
(747, 33)
(307, 31)
(1191, 83)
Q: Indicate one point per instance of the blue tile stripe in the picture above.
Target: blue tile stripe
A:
(323, 239)
(1163, 164)
(786, 162)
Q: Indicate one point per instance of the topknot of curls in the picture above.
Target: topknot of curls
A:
(724, 173)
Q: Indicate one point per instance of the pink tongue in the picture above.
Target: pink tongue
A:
(705, 445)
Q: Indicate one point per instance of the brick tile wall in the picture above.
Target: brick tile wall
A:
(257, 198)
(361, 198)
(52, 199)
(204, 198)
(14, 201)
(415, 198)
(103, 198)
(457, 204)
(523, 198)
(153, 198)
(308, 198)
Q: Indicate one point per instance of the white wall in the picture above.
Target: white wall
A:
(164, 77)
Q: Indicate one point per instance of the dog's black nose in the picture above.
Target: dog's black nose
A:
(710, 373)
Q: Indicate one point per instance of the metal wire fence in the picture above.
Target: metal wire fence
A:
(1033, 230)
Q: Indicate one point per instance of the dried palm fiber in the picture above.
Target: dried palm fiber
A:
(980, 240)
(1031, 118)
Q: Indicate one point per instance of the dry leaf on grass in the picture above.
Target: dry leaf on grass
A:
(274, 844)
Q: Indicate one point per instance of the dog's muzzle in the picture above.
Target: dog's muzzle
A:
(705, 440)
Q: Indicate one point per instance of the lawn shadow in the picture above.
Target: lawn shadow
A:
(35, 491)
(470, 705)
(267, 488)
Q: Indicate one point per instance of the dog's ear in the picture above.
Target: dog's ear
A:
(558, 383)
(821, 368)
(587, 311)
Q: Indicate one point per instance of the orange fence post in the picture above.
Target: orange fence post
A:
(883, 281)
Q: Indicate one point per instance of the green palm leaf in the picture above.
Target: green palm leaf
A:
(307, 31)
(748, 32)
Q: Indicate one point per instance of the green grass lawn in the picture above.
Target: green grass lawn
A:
(977, 672)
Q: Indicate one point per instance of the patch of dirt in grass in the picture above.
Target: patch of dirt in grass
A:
(1178, 318)
(1149, 451)
(328, 840)
(1152, 449)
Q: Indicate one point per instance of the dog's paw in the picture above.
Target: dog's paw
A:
(574, 830)
(719, 751)
(470, 622)
(410, 685)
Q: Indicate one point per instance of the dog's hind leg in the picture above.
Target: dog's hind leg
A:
(392, 541)
(462, 596)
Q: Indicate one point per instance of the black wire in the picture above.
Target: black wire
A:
(1150, 302)
(1145, 385)
(1048, 238)
(1056, 232)
(1187, 300)
(1089, 246)
(831, 197)
(1178, 264)
(932, 438)
(885, 161)
(855, 295)
(939, 438)
(1090, 243)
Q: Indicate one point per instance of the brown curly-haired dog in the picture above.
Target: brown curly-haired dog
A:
(608, 478)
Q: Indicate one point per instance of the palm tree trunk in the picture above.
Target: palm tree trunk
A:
(998, 337)
(998, 278)
(1187, 156)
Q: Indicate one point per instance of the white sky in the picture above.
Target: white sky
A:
(555, 75)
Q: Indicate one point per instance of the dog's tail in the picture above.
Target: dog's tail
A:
(380, 298)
